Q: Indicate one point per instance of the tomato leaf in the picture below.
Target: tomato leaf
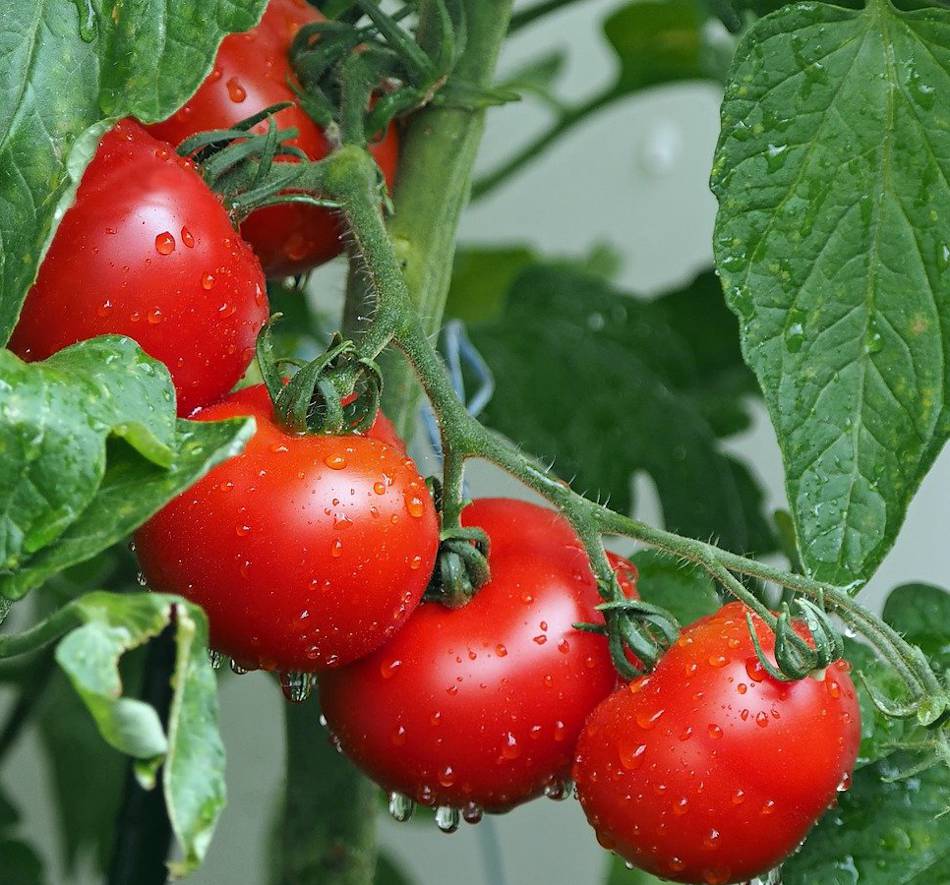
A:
(832, 177)
(99, 629)
(661, 41)
(880, 833)
(603, 384)
(92, 448)
(921, 612)
(681, 588)
(69, 71)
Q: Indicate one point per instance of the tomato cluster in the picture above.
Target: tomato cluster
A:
(311, 552)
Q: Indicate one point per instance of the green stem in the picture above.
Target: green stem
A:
(328, 835)
(525, 17)
(396, 320)
(435, 173)
(566, 121)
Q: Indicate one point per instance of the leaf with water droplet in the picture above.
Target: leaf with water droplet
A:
(831, 174)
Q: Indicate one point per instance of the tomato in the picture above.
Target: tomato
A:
(252, 71)
(306, 551)
(479, 707)
(708, 769)
(148, 251)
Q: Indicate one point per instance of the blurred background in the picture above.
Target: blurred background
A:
(632, 177)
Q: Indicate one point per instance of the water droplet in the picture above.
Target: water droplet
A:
(472, 813)
(558, 790)
(718, 661)
(714, 730)
(296, 686)
(794, 331)
(648, 720)
(207, 281)
(447, 818)
(215, 659)
(761, 719)
(236, 668)
(379, 488)
(738, 797)
(164, 243)
(631, 755)
(242, 530)
(755, 670)
(400, 807)
(415, 505)
(154, 316)
(399, 736)
(845, 782)
(387, 669)
(105, 308)
(187, 238)
(335, 461)
(511, 748)
(768, 807)
(336, 548)
(236, 91)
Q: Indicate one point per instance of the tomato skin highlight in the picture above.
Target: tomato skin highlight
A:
(709, 770)
(482, 705)
(148, 251)
(306, 551)
(252, 71)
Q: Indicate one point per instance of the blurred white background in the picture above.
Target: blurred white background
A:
(634, 177)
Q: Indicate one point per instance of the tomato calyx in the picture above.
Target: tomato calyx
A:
(795, 656)
(461, 567)
(250, 170)
(339, 392)
(638, 633)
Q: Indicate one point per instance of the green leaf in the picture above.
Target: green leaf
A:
(880, 833)
(600, 382)
(76, 758)
(681, 588)
(99, 629)
(661, 41)
(921, 612)
(832, 177)
(480, 279)
(69, 71)
(21, 864)
(91, 448)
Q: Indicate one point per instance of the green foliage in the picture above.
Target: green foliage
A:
(100, 628)
(681, 588)
(605, 385)
(885, 830)
(69, 71)
(832, 177)
(21, 864)
(91, 448)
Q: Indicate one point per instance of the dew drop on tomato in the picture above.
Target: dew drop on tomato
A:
(164, 243)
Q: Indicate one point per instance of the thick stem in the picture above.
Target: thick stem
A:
(143, 830)
(435, 172)
(328, 835)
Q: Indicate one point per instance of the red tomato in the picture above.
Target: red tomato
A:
(708, 769)
(251, 72)
(306, 551)
(481, 706)
(148, 251)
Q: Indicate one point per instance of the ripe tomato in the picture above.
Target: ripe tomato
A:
(480, 707)
(149, 252)
(252, 72)
(708, 769)
(306, 551)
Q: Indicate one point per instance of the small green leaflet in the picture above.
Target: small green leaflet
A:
(681, 588)
(833, 179)
(90, 449)
(883, 833)
(606, 385)
(69, 70)
(99, 629)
